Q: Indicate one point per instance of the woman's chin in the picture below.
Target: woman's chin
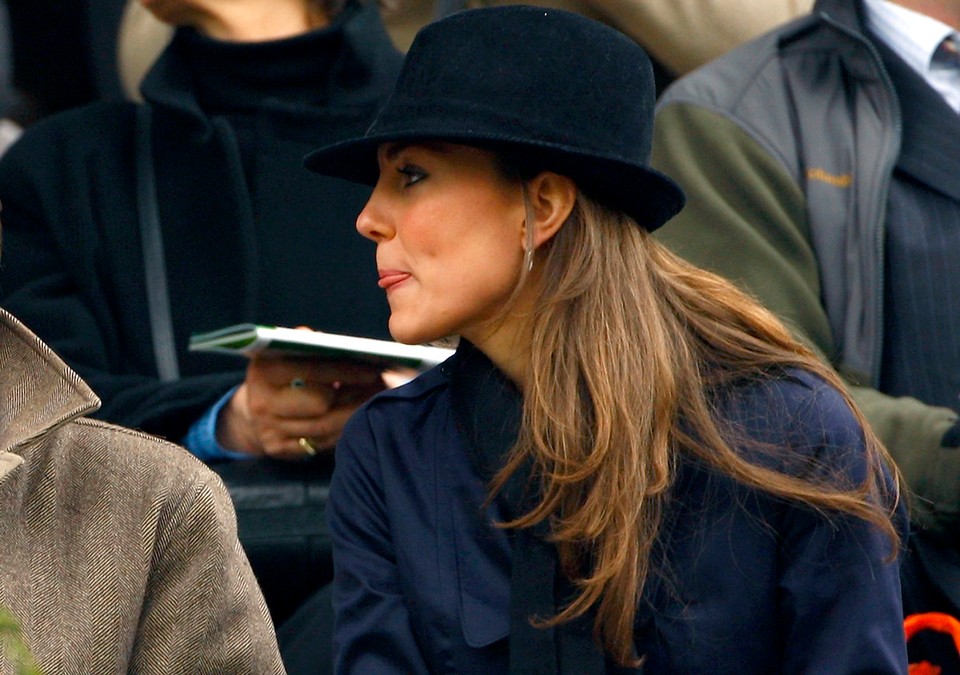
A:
(413, 334)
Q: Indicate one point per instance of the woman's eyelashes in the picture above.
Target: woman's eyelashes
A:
(411, 174)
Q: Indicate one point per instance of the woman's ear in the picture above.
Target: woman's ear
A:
(552, 197)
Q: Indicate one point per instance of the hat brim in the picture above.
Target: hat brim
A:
(644, 194)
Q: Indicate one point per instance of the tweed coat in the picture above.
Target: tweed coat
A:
(118, 551)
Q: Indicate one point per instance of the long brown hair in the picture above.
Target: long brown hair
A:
(628, 344)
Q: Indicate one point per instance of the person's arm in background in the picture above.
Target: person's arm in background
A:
(685, 34)
(679, 34)
(745, 220)
(58, 274)
(58, 279)
(266, 415)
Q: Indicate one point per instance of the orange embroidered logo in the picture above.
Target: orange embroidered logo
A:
(842, 180)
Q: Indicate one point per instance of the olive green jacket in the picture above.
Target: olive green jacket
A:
(785, 148)
(118, 552)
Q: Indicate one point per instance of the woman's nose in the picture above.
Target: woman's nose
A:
(372, 222)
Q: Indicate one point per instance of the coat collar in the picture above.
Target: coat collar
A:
(927, 150)
(930, 151)
(838, 27)
(488, 409)
(355, 45)
(849, 15)
(38, 392)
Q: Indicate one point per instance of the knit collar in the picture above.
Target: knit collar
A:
(197, 75)
(240, 75)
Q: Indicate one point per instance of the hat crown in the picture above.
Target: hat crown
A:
(559, 91)
(541, 74)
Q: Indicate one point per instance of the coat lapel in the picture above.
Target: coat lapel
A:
(487, 408)
(38, 391)
(930, 150)
(206, 229)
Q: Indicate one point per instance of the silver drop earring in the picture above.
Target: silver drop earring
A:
(529, 247)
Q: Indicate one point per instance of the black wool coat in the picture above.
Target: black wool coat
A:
(249, 234)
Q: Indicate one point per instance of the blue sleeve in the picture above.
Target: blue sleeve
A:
(840, 591)
(372, 631)
(201, 438)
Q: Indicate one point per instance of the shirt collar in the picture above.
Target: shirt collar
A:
(913, 36)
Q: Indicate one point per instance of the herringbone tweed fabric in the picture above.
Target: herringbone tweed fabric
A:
(118, 551)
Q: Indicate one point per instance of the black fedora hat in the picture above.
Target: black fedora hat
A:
(573, 94)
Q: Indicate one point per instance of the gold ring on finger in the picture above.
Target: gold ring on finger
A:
(307, 446)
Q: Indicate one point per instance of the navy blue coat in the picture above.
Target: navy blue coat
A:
(753, 585)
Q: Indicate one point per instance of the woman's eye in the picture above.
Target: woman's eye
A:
(411, 174)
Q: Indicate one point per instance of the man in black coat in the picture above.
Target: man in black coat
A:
(248, 235)
(193, 212)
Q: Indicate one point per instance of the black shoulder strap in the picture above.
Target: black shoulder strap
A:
(158, 298)
(487, 409)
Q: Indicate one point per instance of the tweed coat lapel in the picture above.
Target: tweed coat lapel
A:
(45, 392)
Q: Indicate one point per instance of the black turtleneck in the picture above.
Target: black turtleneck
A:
(231, 77)
(266, 105)
(245, 82)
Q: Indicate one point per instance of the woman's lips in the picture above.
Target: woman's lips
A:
(390, 278)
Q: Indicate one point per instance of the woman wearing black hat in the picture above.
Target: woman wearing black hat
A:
(627, 460)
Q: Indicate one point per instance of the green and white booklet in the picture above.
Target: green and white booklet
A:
(247, 339)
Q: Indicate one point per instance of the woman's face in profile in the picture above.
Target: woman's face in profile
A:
(449, 229)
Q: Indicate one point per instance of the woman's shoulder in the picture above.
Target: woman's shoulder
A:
(791, 394)
(394, 438)
(406, 405)
(793, 409)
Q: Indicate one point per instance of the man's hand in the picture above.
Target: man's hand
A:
(290, 407)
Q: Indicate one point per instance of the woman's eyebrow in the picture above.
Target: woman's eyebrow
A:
(394, 149)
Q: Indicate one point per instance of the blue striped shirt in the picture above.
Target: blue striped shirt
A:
(916, 38)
